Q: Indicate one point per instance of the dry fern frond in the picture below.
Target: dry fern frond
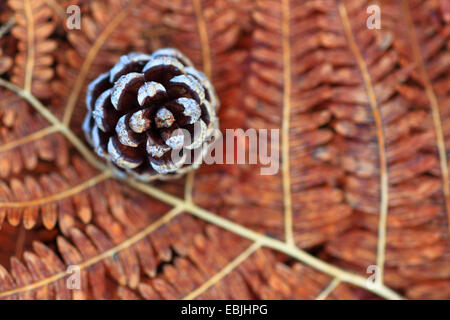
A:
(26, 138)
(289, 44)
(364, 140)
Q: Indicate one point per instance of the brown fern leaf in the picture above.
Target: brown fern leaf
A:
(399, 183)
(32, 69)
(104, 249)
(294, 201)
(348, 118)
(19, 128)
(363, 183)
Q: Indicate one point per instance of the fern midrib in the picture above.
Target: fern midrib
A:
(287, 87)
(31, 50)
(384, 179)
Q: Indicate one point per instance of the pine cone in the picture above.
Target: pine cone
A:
(137, 110)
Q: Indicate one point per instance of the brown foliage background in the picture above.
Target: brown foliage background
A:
(365, 141)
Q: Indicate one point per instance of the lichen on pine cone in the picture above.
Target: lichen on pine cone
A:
(138, 111)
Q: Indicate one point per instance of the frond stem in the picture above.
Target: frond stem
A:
(29, 138)
(384, 179)
(196, 211)
(224, 271)
(287, 85)
(61, 195)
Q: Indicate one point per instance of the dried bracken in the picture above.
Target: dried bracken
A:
(364, 147)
